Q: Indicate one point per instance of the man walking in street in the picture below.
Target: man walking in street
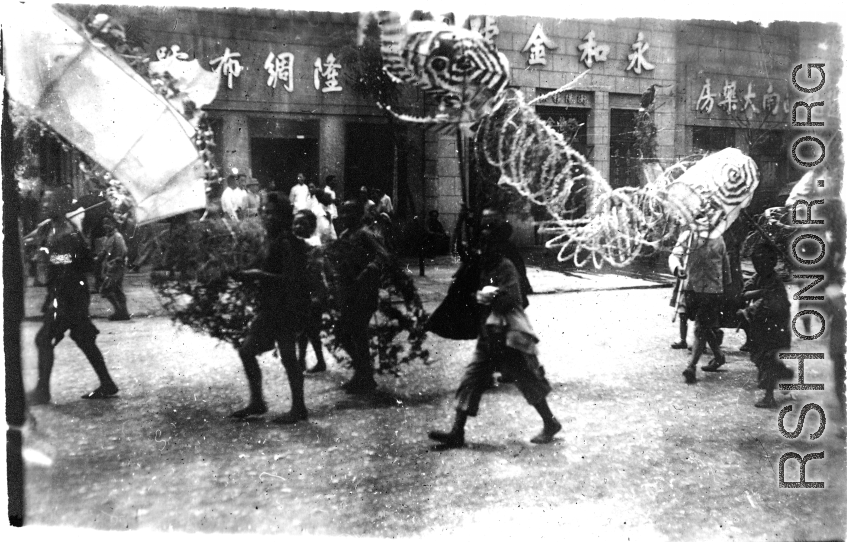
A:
(113, 264)
(358, 258)
(768, 315)
(707, 274)
(506, 341)
(284, 300)
(66, 305)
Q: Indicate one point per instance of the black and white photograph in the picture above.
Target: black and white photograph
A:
(444, 270)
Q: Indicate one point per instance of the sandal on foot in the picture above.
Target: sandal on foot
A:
(448, 439)
(714, 365)
(103, 392)
(546, 434)
(249, 411)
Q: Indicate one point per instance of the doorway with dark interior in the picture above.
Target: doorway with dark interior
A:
(277, 161)
(624, 158)
(369, 158)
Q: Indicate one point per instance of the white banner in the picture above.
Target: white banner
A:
(90, 96)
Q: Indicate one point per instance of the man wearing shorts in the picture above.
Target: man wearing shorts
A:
(284, 301)
(66, 305)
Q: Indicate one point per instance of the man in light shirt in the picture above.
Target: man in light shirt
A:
(300, 197)
(233, 199)
(329, 188)
(253, 199)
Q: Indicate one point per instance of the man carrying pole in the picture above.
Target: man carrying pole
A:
(66, 305)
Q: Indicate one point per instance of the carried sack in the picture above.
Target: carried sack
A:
(457, 317)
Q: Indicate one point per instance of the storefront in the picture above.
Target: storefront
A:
(625, 58)
(735, 90)
(286, 104)
(716, 84)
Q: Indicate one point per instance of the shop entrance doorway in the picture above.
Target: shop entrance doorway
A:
(369, 158)
(277, 161)
(624, 166)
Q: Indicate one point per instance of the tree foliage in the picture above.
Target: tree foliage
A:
(363, 69)
(198, 284)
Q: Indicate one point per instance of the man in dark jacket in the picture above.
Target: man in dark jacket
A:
(357, 258)
(66, 305)
(284, 299)
(506, 341)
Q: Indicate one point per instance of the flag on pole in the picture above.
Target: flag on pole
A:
(91, 97)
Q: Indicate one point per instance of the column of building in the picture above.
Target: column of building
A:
(236, 143)
(331, 149)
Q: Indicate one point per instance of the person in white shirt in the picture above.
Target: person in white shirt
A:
(253, 199)
(329, 188)
(324, 228)
(242, 198)
(232, 199)
(383, 200)
(300, 195)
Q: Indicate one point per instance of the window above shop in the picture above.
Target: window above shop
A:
(571, 122)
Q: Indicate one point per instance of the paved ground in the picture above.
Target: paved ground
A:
(642, 455)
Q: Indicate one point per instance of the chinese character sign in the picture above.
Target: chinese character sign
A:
(329, 72)
(537, 45)
(228, 65)
(637, 62)
(735, 100)
(485, 25)
(280, 68)
(591, 51)
(164, 52)
(748, 99)
(770, 101)
(706, 100)
(729, 103)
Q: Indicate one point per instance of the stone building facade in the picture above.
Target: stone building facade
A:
(745, 61)
(285, 105)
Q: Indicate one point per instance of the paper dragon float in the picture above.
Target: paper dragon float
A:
(468, 77)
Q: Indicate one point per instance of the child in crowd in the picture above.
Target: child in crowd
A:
(305, 227)
(768, 315)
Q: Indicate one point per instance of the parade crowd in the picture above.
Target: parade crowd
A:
(486, 300)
